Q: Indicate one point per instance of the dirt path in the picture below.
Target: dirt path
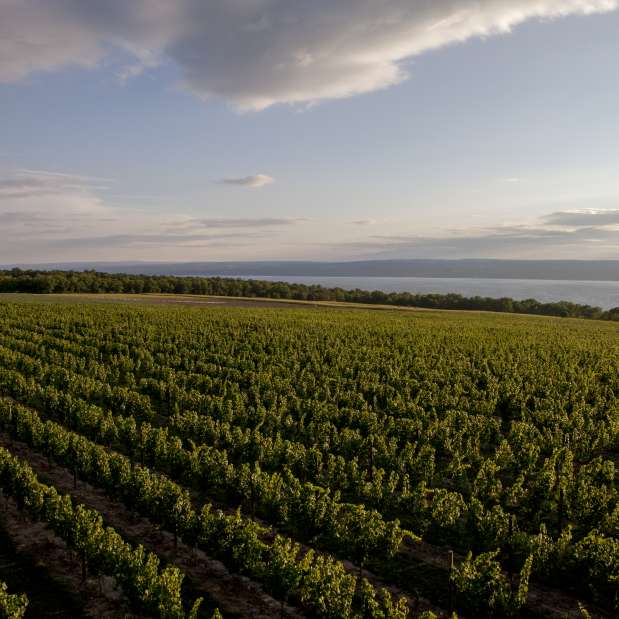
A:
(100, 598)
(551, 602)
(204, 301)
(212, 301)
(236, 596)
(417, 602)
(242, 597)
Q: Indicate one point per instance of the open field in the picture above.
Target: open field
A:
(206, 301)
(183, 299)
(193, 300)
(282, 458)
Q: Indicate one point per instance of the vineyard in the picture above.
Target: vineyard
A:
(311, 462)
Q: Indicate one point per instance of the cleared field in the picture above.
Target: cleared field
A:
(302, 460)
(194, 301)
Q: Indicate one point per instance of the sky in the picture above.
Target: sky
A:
(294, 130)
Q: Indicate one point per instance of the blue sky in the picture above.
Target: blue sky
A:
(277, 129)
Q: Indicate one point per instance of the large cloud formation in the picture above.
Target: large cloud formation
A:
(586, 217)
(257, 53)
(44, 215)
(50, 216)
(588, 233)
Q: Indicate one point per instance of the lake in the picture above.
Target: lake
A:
(600, 294)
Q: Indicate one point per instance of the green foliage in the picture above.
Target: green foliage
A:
(45, 282)
(319, 582)
(341, 430)
(485, 589)
(597, 559)
(12, 606)
(137, 571)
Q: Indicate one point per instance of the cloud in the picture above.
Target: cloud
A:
(257, 53)
(54, 215)
(12, 188)
(29, 197)
(43, 36)
(261, 222)
(156, 240)
(585, 217)
(63, 175)
(258, 180)
(48, 216)
(503, 242)
(37, 183)
(9, 218)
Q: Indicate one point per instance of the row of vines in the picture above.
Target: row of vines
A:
(294, 444)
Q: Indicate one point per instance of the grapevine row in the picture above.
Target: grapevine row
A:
(316, 581)
(296, 506)
(102, 549)
(394, 493)
(12, 605)
(492, 527)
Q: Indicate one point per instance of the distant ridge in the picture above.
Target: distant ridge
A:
(584, 270)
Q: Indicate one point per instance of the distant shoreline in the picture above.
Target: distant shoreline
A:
(45, 282)
(551, 270)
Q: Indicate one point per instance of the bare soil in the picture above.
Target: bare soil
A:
(541, 599)
(205, 301)
(100, 598)
(236, 596)
(239, 596)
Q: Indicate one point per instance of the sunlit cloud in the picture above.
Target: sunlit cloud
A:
(257, 54)
(505, 242)
(585, 217)
(56, 214)
(253, 182)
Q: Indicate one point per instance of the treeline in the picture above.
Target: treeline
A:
(46, 282)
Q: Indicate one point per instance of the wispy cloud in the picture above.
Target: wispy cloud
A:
(24, 218)
(63, 175)
(362, 222)
(585, 217)
(227, 223)
(289, 52)
(255, 181)
(586, 233)
(109, 241)
(48, 213)
(33, 183)
(500, 242)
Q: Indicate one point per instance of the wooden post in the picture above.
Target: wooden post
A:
(372, 458)
(451, 588)
(253, 498)
(560, 510)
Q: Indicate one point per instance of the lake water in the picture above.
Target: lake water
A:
(600, 294)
